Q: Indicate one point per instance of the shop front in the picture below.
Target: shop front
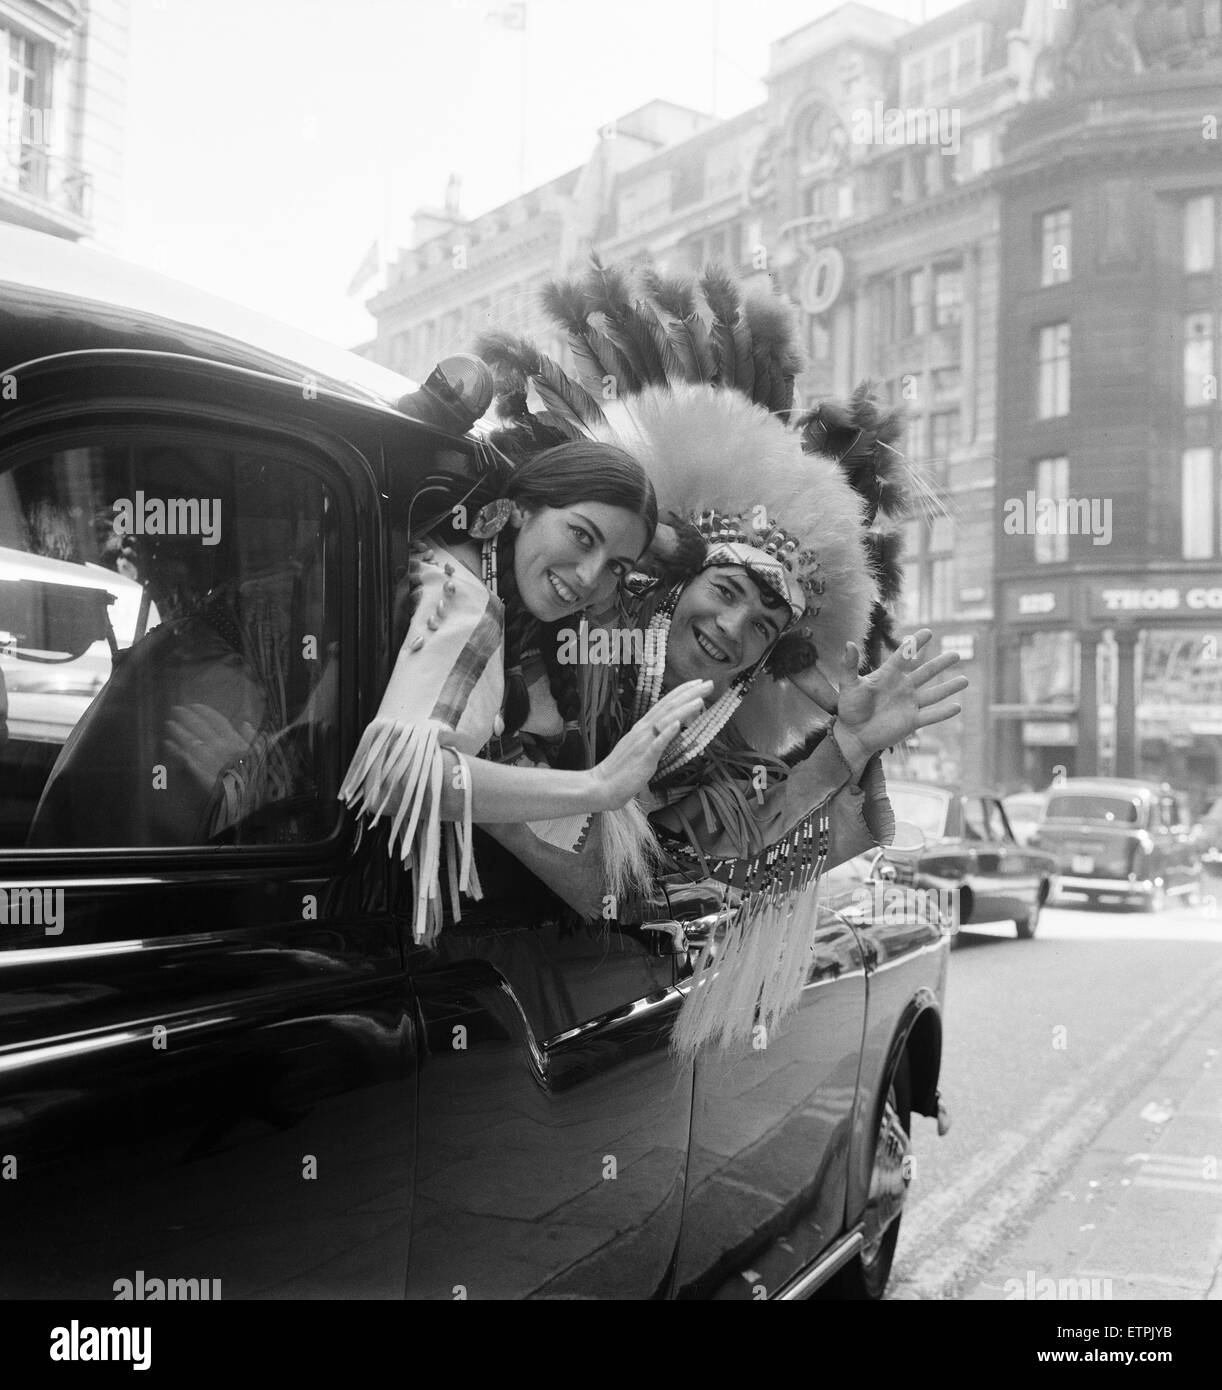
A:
(1105, 676)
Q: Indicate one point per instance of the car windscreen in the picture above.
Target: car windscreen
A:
(1093, 806)
(924, 809)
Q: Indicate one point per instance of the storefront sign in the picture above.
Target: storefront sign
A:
(1104, 599)
(1033, 601)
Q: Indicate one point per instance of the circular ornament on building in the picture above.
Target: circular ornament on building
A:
(821, 280)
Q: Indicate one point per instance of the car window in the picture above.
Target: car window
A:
(995, 820)
(974, 825)
(169, 643)
(1093, 806)
(924, 809)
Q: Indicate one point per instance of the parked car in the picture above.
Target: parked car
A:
(1121, 840)
(222, 1057)
(1209, 837)
(971, 859)
(1024, 811)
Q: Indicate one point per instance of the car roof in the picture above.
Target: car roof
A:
(948, 788)
(1117, 786)
(57, 296)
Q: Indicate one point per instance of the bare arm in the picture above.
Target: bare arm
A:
(502, 793)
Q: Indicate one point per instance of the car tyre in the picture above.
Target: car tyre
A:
(1027, 926)
(865, 1276)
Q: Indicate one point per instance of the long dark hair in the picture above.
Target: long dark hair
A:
(579, 470)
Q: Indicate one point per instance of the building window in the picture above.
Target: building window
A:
(947, 295)
(953, 66)
(1053, 371)
(687, 183)
(915, 305)
(1198, 503)
(947, 381)
(967, 60)
(941, 587)
(915, 432)
(943, 438)
(1051, 480)
(1056, 236)
(1200, 221)
(26, 127)
(821, 201)
(1200, 382)
(820, 339)
(884, 309)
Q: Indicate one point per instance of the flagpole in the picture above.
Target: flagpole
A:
(716, 18)
(522, 112)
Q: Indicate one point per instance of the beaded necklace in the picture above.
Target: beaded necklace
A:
(689, 743)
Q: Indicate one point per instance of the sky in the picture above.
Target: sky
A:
(269, 142)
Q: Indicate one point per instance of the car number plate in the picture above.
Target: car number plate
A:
(1083, 864)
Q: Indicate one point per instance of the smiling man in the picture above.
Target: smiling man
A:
(770, 582)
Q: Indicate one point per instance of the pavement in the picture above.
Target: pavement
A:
(1147, 1195)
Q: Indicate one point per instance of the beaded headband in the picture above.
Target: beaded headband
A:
(770, 554)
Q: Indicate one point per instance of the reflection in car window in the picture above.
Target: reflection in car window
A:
(168, 642)
(924, 809)
(1109, 810)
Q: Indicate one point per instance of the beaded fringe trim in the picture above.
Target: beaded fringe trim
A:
(758, 968)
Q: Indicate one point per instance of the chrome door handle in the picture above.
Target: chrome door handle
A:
(693, 934)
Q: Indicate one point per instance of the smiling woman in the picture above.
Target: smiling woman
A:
(476, 676)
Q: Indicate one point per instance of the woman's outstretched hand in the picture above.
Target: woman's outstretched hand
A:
(627, 769)
(883, 708)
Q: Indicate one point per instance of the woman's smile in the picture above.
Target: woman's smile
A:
(564, 593)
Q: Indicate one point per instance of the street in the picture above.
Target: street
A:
(1082, 1074)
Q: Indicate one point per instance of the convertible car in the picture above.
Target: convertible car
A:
(224, 1064)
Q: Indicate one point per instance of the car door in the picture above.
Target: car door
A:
(1181, 853)
(207, 1042)
(554, 1122)
(1020, 871)
(987, 876)
(772, 1124)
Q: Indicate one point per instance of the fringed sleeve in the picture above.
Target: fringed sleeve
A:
(725, 826)
(444, 693)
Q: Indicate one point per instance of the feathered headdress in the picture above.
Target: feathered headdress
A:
(698, 384)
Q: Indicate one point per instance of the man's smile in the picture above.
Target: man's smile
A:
(711, 648)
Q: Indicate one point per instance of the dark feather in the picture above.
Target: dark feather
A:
(859, 434)
(885, 549)
(881, 638)
(562, 424)
(565, 397)
(731, 340)
(687, 336)
(565, 301)
(609, 293)
(770, 324)
(671, 293)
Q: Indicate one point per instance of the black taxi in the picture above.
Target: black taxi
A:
(225, 1067)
